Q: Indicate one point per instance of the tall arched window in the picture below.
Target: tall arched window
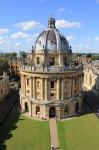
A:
(90, 79)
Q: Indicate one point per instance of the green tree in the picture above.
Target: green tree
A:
(93, 56)
(97, 57)
(24, 54)
(14, 55)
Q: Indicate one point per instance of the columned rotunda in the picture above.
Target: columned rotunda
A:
(51, 83)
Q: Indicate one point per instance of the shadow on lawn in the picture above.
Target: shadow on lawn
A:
(8, 125)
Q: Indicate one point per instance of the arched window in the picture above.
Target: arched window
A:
(90, 79)
(86, 78)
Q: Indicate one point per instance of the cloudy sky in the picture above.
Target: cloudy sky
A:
(21, 21)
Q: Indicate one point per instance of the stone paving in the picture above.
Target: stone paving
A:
(54, 133)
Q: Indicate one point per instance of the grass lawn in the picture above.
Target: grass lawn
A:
(81, 133)
(21, 133)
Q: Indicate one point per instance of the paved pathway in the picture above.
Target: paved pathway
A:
(53, 133)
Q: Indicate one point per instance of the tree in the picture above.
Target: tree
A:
(14, 55)
(97, 57)
(24, 54)
(93, 56)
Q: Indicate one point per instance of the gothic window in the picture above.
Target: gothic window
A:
(52, 84)
(38, 60)
(90, 79)
(86, 78)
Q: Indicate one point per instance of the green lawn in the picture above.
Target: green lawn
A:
(21, 133)
(79, 134)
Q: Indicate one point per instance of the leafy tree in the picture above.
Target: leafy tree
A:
(93, 56)
(97, 57)
(3, 66)
(14, 55)
(24, 54)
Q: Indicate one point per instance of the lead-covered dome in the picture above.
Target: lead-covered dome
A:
(51, 39)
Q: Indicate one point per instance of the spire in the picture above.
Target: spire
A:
(51, 22)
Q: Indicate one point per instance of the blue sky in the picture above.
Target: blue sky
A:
(21, 21)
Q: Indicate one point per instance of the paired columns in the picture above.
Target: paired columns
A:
(45, 87)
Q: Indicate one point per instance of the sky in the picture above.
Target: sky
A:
(21, 21)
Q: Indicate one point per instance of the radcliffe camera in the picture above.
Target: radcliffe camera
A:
(49, 75)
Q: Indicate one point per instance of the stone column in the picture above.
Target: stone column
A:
(62, 89)
(58, 89)
(73, 87)
(46, 89)
(24, 85)
(78, 88)
(42, 89)
(70, 86)
(22, 82)
(80, 78)
(31, 87)
(34, 87)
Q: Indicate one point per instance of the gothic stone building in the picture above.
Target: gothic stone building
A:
(51, 83)
(4, 86)
(91, 76)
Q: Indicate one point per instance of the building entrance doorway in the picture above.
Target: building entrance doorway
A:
(26, 107)
(52, 112)
(37, 110)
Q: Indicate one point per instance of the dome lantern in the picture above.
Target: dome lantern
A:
(51, 22)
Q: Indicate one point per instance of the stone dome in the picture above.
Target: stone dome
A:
(51, 39)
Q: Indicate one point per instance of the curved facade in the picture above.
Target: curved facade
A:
(51, 83)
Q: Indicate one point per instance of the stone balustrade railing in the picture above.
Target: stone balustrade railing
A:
(33, 68)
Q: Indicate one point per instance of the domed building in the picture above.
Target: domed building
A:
(51, 83)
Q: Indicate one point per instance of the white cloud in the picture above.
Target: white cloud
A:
(4, 41)
(32, 38)
(71, 37)
(35, 35)
(17, 44)
(28, 25)
(67, 24)
(19, 35)
(97, 38)
(3, 31)
(61, 9)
